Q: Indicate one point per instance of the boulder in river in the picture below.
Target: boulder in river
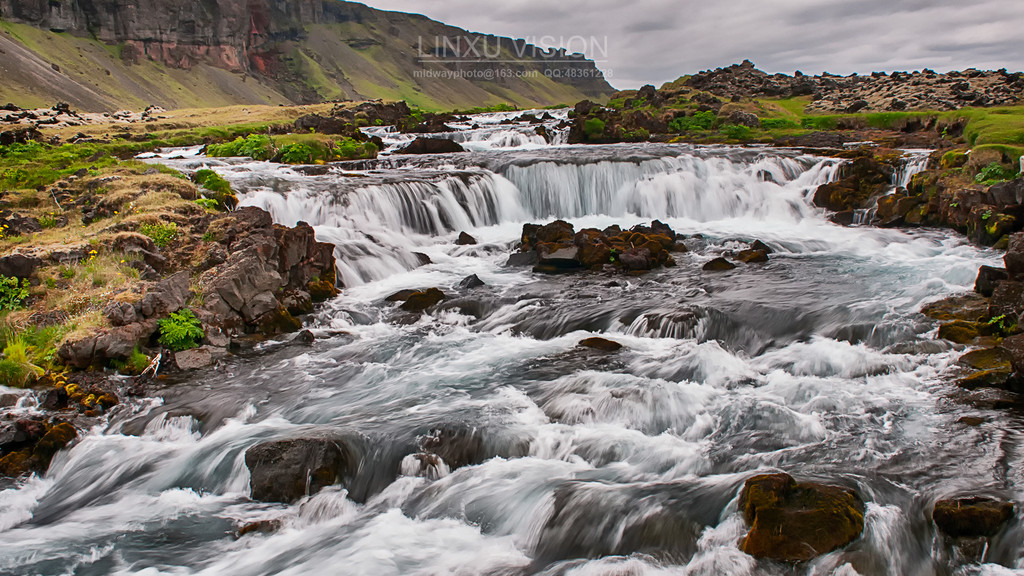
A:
(971, 517)
(601, 344)
(420, 301)
(988, 279)
(423, 145)
(794, 521)
(465, 240)
(287, 470)
(719, 265)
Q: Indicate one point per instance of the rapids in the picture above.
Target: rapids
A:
(817, 363)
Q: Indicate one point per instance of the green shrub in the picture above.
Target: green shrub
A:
(255, 146)
(593, 127)
(134, 364)
(349, 149)
(995, 172)
(181, 331)
(28, 354)
(699, 121)
(737, 132)
(298, 153)
(162, 234)
(819, 122)
(12, 292)
(778, 124)
(208, 203)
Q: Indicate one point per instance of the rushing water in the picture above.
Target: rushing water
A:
(817, 364)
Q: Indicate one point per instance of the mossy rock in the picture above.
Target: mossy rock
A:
(959, 331)
(995, 378)
(752, 256)
(37, 458)
(971, 517)
(321, 291)
(278, 321)
(987, 359)
(794, 521)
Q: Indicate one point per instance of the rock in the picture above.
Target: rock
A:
(864, 179)
(297, 302)
(424, 145)
(759, 246)
(988, 279)
(742, 118)
(29, 446)
(959, 331)
(752, 256)
(1014, 257)
(194, 359)
(797, 522)
(324, 125)
(401, 295)
(470, 282)
(19, 265)
(457, 446)
(559, 256)
(971, 517)
(465, 240)
(420, 301)
(1007, 300)
(287, 470)
(1013, 346)
(719, 265)
(987, 359)
(304, 337)
(259, 527)
(121, 313)
(522, 259)
(600, 344)
(120, 342)
(636, 259)
(994, 378)
(167, 296)
(8, 400)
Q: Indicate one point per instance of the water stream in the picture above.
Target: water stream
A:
(817, 363)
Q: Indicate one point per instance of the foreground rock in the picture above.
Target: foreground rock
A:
(971, 517)
(794, 521)
(28, 445)
(288, 470)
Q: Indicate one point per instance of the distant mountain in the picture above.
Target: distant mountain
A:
(107, 54)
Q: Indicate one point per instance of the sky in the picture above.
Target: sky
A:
(638, 42)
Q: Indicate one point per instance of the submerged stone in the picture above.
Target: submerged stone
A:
(601, 344)
(420, 301)
(719, 265)
(287, 470)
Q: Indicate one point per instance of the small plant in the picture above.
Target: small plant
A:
(986, 215)
(219, 188)
(162, 234)
(48, 221)
(993, 173)
(12, 292)
(208, 203)
(299, 153)
(699, 121)
(737, 132)
(255, 146)
(778, 124)
(135, 363)
(1003, 324)
(181, 331)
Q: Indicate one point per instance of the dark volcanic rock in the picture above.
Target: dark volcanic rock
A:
(796, 522)
(423, 145)
(287, 470)
(719, 265)
(601, 344)
(420, 301)
(988, 279)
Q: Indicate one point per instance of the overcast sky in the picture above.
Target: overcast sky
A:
(654, 41)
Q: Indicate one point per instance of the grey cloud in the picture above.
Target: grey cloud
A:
(655, 41)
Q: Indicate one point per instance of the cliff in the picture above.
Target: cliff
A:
(105, 54)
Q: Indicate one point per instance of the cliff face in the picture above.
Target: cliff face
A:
(311, 50)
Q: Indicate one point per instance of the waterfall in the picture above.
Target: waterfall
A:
(914, 162)
(378, 227)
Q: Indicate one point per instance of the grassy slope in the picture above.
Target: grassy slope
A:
(335, 61)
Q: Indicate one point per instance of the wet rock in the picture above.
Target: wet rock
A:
(752, 256)
(718, 265)
(522, 259)
(988, 279)
(259, 527)
(288, 470)
(465, 240)
(972, 421)
(968, 307)
(420, 301)
(304, 337)
(297, 302)
(19, 265)
(424, 145)
(470, 282)
(987, 359)
(601, 344)
(401, 295)
(457, 446)
(31, 446)
(864, 179)
(757, 245)
(636, 259)
(9, 399)
(971, 517)
(959, 331)
(1007, 300)
(197, 358)
(797, 522)
(1013, 346)
(1014, 257)
(994, 378)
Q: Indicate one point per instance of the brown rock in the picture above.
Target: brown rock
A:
(797, 522)
(420, 301)
(601, 344)
(286, 470)
(971, 517)
(719, 265)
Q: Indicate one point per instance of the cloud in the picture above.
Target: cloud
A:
(654, 41)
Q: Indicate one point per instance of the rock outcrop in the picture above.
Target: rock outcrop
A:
(557, 248)
(287, 470)
(971, 517)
